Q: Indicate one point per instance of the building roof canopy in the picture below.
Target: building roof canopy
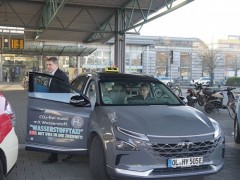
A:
(81, 20)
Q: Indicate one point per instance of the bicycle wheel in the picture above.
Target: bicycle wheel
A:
(177, 91)
(180, 90)
(232, 111)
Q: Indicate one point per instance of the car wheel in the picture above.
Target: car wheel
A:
(1, 170)
(97, 160)
(236, 131)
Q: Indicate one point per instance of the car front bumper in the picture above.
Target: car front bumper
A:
(166, 173)
(151, 161)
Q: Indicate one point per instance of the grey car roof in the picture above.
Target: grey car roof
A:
(110, 75)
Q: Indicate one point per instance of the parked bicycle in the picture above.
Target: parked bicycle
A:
(175, 87)
(24, 82)
(231, 103)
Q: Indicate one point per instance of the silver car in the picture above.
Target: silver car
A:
(125, 133)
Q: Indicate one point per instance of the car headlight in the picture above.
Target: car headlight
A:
(133, 134)
(217, 128)
(125, 146)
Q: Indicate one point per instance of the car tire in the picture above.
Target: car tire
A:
(97, 160)
(236, 131)
(1, 170)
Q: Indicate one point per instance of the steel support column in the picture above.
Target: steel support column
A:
(120, 42)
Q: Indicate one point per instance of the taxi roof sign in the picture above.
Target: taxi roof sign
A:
(111, 69)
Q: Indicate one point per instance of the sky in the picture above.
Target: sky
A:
(207, 20)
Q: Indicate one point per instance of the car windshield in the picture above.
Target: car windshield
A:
(137, 92)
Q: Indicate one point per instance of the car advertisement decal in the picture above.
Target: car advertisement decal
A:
(58, 129)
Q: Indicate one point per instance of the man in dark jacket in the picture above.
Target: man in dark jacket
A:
(53, 69)
(55, 87)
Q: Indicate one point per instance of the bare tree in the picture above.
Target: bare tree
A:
(231, 62)
(211, 59)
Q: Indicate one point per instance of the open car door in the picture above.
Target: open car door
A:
(56, 122)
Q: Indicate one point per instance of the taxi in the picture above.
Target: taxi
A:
(126, 134)
(8, 138)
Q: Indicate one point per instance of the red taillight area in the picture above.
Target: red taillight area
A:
(5, 119)
(5, 126)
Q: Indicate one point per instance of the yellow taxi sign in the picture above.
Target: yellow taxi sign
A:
(111, 69)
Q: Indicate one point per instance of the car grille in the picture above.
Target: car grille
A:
(165, 171)
(174, 150)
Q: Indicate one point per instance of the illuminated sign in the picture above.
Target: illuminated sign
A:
(111, 69)
(17, 43)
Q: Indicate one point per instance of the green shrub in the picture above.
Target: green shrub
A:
(233, 81)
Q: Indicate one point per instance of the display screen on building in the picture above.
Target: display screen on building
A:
(17, 43)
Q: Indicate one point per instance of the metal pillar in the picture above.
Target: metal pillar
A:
(78, 64)
(1, 59)
(1, 67)
(120, 42)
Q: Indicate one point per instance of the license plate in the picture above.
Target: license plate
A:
(185, 162)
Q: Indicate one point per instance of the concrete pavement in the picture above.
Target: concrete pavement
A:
(5, 86)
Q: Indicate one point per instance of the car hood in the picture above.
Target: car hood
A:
(160, 120)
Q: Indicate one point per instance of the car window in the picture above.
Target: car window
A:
(122, 92)
(91, 92)
(41, 83)
(79, 83)
(39, 88)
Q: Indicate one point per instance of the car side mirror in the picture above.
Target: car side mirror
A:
(79, 100)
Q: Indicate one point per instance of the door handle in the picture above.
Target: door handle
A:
(37, 109)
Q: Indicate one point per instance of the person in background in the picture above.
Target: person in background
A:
(143, 93)
(6, 77)
(55, 87)
(13, 75)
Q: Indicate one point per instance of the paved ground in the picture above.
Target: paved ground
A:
(29, 166)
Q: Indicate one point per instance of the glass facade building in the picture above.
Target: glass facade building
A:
(177, 58)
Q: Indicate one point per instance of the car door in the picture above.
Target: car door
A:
(55, 122)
